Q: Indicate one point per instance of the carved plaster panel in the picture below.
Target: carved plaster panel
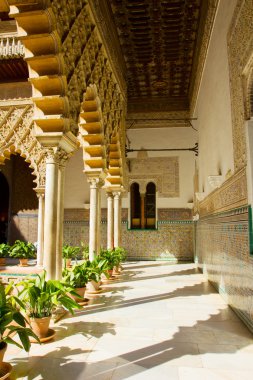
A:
(240, 50)
(163, 171)
(16, 136)
(232, 194)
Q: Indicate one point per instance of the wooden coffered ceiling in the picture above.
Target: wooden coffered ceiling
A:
(159, 41)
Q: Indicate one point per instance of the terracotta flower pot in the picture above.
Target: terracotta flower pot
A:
(40, 326)
(3, 348)
(93, 286)
(23, 262)
(2, 261)
(68, 263)
(79, 291)
(116, 270)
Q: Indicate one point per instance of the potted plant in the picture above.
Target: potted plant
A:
(4, 252)
(96, 268)
(85, 251)
(23, 251)
(121, 254)
(69, 252)
(12, 322)
(40, 298)
(77, 278)
(112, 259)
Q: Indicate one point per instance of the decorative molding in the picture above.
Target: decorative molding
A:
(232, 194)
(215, 180)
(107, 31)
(240, 48)
(201, 51)
(163, 171)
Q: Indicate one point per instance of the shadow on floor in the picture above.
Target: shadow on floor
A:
(101, 305)
(124, 277)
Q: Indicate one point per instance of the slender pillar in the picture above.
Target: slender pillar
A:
(110, 242)
(93, 232)
(117, 219)
(142, 210)
(60, 215)
(50, 220)
(40, 239)
(99, 217)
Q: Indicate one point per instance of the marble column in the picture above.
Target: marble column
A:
(117, 218)
(60, 214)
(93, 230)
(110, 242)
(99, 217)
(50, 220)
(41, 214)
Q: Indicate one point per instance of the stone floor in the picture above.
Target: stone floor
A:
(157, 321)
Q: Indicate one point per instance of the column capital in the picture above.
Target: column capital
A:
(116, 194)
(52, 155)
(63, 158)
(40, 192)
(95, 182)
(109, 194)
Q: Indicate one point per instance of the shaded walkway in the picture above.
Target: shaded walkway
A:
(156, 322)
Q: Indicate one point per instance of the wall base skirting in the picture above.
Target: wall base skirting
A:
(170, 259)
(242, 315)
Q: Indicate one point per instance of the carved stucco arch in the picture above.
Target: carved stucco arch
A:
(16, 137)
(66, 57)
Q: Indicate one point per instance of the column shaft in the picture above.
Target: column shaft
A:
(60, 219)
(50, 225)
(110, 242)
(93, 219)
(40, 239)
(98, 220)
(117, 219)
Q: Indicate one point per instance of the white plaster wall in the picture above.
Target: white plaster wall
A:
(76, 185)
(213, 108)
(77, 189)
(168, 138)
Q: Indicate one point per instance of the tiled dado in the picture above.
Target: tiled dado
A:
(224, 253)
(171, 241)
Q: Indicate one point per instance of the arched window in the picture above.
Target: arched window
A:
(143, 206)
(135, 206)
(4, 208)
(150, 205)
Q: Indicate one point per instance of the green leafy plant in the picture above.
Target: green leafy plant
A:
(113, 259)
(12, 321)
(4, 250)
(76, 277)
(40, 297)
(23, 250)
(70, 251)
(96, 267)
(121, 252)
(84, 250)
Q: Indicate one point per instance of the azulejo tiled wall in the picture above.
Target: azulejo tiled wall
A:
(223, 253)
(173, 240)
